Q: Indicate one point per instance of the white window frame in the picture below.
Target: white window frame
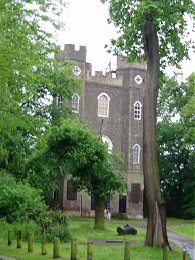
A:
(76, 70)
(138, 79)
(108, 100)
(137, 110)
(59, 101)
(75, 104)
(136, 154)
(107, 141)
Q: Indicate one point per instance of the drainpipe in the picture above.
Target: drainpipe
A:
(81, 205)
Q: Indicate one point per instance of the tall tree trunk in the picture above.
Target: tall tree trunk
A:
(156, 227)
(99, 213)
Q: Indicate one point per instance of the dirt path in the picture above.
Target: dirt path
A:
(6, 258)
(181, 241)
(177, 239)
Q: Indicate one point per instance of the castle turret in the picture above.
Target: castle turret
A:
(77, 55)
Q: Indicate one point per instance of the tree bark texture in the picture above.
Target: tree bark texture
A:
(156, 227)
(99, 213)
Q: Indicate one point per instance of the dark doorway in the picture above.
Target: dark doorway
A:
(122, 204)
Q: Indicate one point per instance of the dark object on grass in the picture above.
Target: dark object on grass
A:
(126, 230)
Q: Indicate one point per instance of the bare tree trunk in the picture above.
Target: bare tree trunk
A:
(156, 227)
(99, 213)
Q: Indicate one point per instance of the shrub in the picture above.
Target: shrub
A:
(54, 223)
(4, 226)
(19, 201)
(58, 227)
(59, 231)
(25, 207)
(32, 205)
(25, 227)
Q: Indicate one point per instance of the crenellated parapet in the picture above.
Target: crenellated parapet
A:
(122, 63)
(69, 52)
(123, 76)
(111, 78)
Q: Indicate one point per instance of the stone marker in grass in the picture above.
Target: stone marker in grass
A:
(19, 239)
(9, 242)
(74, 249)
(89, 250)
(30, 242)
(56, 248)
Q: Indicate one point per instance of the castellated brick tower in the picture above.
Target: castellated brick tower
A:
(110, 103)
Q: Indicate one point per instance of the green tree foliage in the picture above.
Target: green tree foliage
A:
(29, 76)
(73, 148)
(130, 18)
(153, 31)
(177, 146)
(19, 201)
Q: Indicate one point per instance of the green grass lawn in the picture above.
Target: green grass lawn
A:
(101, 252)
(186, 230)
(82, 229)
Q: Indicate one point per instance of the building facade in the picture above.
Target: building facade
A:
(112, 104)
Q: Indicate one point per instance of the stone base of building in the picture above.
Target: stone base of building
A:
(80, 204)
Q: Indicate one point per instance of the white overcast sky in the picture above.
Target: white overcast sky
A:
(86, 24)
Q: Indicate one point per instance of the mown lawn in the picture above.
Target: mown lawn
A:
(101, 252)
(186, 230)
(82, 229)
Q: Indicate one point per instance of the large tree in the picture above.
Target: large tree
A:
(176, 145)
(29, 76)
(74, 149)
(153, 31)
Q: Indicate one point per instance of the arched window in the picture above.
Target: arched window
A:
(75, 103)
(56, 191)
(106, 140)
(103, 105)
(137, 110)
(59, 101)
(136, 154)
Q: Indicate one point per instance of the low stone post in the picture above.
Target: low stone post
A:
(19, 239)
(56, 248)
(43, 245)
(165, 253)
(127, 251)
(89, 250)
(9, 240)
(30, 242)
(184, 252)
(74, 249)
